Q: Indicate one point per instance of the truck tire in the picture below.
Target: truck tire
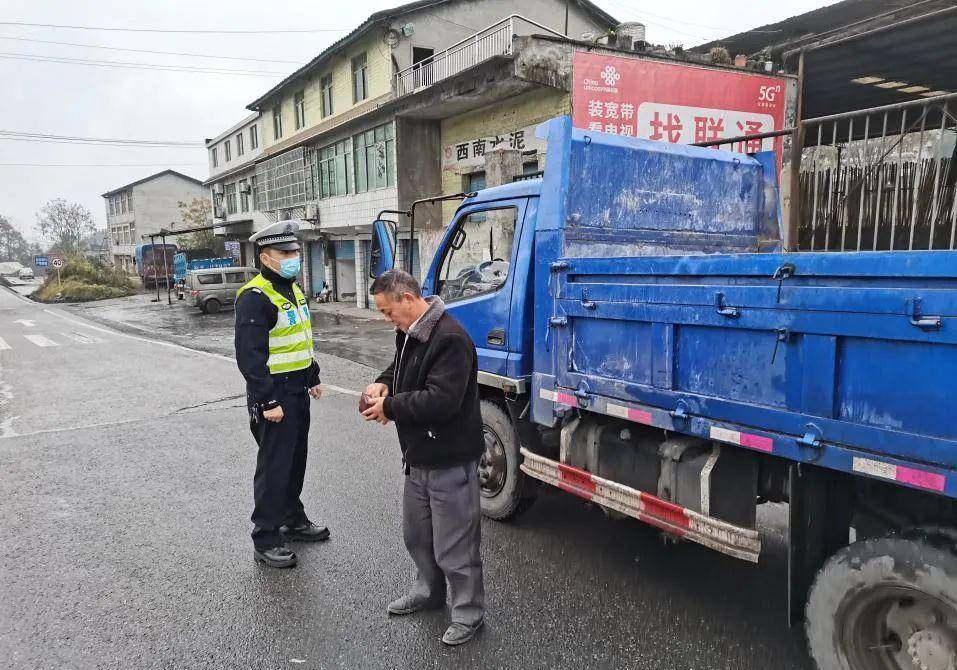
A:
(211, 306)
(506, 490)
(887, 604)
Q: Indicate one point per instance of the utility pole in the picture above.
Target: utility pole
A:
(566, 17)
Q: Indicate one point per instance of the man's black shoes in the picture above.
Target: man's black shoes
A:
(304, 532)
(276, 557)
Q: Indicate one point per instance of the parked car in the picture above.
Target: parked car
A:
(25, 273)
(212, 289)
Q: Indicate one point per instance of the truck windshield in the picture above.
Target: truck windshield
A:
(477, 261)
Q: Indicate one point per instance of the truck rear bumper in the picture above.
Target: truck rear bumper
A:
(722, 536)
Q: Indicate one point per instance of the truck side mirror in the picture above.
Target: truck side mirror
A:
(382, 248)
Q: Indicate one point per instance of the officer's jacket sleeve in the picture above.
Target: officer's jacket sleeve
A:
(255, 317)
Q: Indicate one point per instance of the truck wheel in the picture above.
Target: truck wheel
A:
(211, 306)
(887, 604)
(506, 490)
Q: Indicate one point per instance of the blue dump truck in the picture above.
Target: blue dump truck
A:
(645, 344)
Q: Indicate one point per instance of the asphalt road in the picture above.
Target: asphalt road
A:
(125, 476)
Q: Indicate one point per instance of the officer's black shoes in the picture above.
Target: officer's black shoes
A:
(305, 532)
(276, 557)
(410, 604)
(459, 633)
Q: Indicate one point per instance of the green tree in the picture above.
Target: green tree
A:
(65, 224)
(195, 213)
(13, 246)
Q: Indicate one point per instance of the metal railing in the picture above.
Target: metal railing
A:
(881, 178)
(495, 40)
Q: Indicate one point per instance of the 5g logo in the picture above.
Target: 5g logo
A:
(769, 93)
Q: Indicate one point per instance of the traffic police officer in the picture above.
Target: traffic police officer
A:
(274, 351)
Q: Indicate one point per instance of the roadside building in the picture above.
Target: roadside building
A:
(144, 207)
(340, 144)
(232, 159)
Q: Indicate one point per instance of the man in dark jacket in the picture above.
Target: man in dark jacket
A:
(275, 354)
(431, 392)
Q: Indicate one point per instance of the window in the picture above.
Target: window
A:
(110, 203)
(240, 149)
(477, 261)
(360, 80)
(230, 192)
(300, 107)
(123, 203)
(530, 167)
(325, 85)
(374, 158)
(227, 151)
(215, 157)
(334, 170)
(243, 195)
(277, 122)
(252, 193)
(235, 277)
(129, 201)
(253, 137)
(210, 278)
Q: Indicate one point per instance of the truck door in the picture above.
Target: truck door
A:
(472, 273)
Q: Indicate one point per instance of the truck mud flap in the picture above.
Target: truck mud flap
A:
(681, 522)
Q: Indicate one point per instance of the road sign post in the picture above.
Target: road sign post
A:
(57, 263)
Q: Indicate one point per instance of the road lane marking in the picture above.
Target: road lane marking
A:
(3, 345)
(26, 322)
(171, 345)
(81, 338)
(41, 341)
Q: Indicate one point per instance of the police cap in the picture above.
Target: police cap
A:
(280, 235)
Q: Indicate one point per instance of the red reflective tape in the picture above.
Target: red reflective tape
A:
(639, 415)
(921, 478)
(664, 510)
(566, 399)
(575, 481)
(757, 442)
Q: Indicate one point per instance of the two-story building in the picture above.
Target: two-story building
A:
(232, 184)
(143, 208)
(339, 147)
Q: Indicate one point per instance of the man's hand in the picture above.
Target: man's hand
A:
(376, 412)
(377, 390)
(316, 392)
(275, 414)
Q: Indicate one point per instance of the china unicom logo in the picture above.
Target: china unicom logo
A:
(610, 75)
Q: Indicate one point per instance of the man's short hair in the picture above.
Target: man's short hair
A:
(395, 283)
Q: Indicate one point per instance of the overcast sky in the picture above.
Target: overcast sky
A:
(39, 96)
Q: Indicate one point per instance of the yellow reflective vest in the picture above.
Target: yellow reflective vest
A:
(290, 340)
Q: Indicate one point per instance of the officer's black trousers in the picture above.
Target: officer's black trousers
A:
(280, 467)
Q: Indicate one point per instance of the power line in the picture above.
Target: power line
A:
(171, 30)
(138, 66)
(101, 164)
(16, 134)
(149, 51)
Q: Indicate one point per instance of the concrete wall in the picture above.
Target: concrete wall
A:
(155, 203)
(419, 173)
(378, 73)
(230, 135)
(441, 26)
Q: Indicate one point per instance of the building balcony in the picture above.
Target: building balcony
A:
(496, 40)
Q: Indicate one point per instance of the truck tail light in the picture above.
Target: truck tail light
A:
(194, 293)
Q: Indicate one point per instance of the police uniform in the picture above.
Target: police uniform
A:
(274, 350)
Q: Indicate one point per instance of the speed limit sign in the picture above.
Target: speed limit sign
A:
(57, 263)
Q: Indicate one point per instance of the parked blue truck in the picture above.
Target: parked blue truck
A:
(645, 344)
